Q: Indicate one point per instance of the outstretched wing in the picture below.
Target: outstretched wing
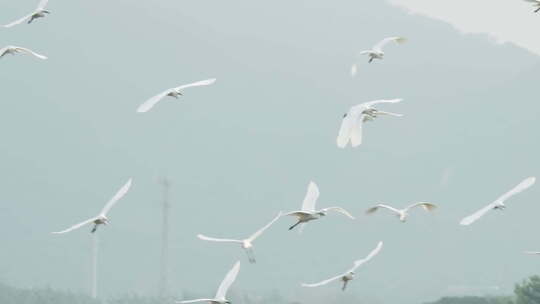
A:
(356, 131)
(207, 238)
(378, 47)
(517, 189)
(373, 253)
(76, 226)
(30, 52)
(116, 197)
(150, 103)
(18, 21)
(260, 231)
(376, 207)
(323, 282)
(340, 210)
(424, 205)
(227, 282)
(525, 184)
(197, 84)
(347, 124)
(311, 197)
(374, 102)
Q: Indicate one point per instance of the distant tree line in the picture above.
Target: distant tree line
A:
(526, 292)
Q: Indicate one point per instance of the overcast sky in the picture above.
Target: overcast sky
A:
(239, 151)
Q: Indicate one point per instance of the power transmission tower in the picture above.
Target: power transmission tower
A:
(164, 273)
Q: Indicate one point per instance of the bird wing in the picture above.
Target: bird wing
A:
(150, 103)
(311, 197)
(373, 253)
(196, 84)
(376, 207)
(517, 189)
(378, 47)
(374, 102)
(116, 197)
(260, 231)
(347, 124)
(475, 216)
(42, 4)
(76, 226)
(207, 238)
(356, 131)
(526, 183)
(340, 210)
(323, 282)
(18, 21)
(194, 301)
(227, 282)
(30, 52)
(426, 206)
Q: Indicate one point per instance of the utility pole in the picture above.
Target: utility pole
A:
(164, 274)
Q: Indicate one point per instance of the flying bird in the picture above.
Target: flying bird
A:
(308, 212)
(222, 290)
(247, 244)
(499, 203)
(402, 214)
(536, 3)
(39, 12)
(349, 274)
(101, 218)
(12, 50)
(173, 92)
(377, 52)
(351, 125)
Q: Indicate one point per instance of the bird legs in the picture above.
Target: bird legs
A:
(297, 223)
(250, 255)
(95, 228)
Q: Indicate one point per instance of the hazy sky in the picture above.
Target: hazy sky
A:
(246, 147)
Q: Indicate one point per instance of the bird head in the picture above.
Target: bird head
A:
(322, 213)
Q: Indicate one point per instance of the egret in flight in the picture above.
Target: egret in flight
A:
(308, 212)
(101, 218)
(172, 92)
(498, 204)
(376, 52)
(351, 125)
(402, 214)
(349, 274)
(222, 290)
(247, 244)
(12, 50)
(39, 12)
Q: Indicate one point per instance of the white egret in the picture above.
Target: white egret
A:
(498, 204)
(377, 52)
(402, 214)
(12, 50)
(308, 212)
(536, 4)
(247, 244)
(351, 125)
(222, 290)
(173, 92)
(39, 12)
(101, 218)
(349, 274)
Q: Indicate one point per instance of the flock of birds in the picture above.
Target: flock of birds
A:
(349, 132)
